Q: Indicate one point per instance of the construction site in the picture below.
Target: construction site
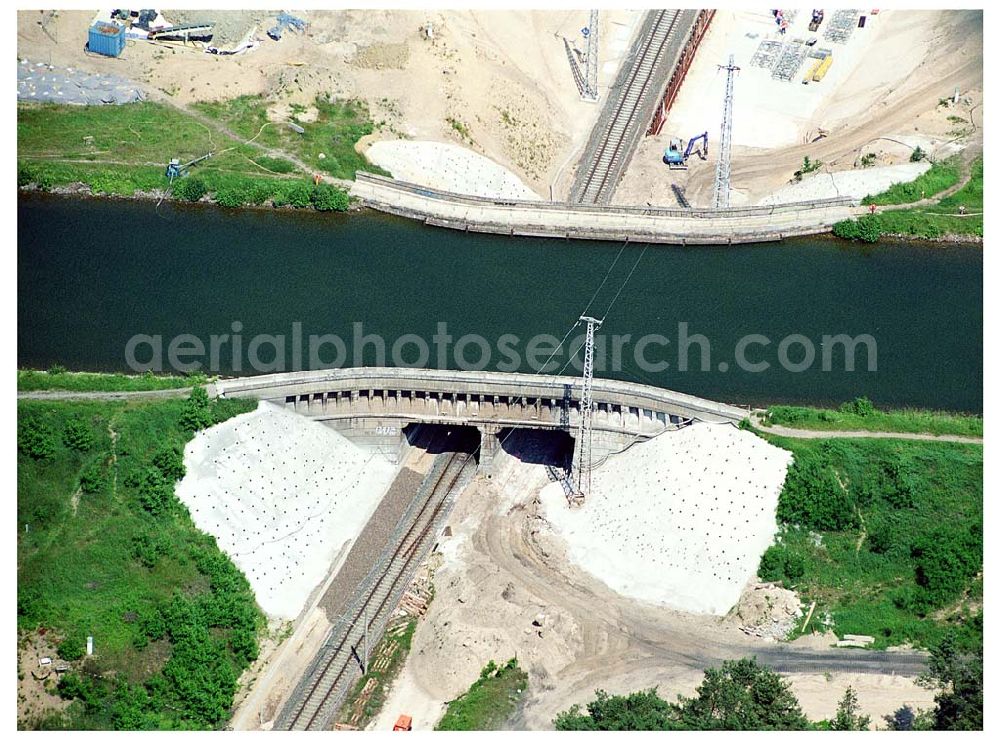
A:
(669, 109)
(607, 535)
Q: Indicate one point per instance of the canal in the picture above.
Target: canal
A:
(93, 274)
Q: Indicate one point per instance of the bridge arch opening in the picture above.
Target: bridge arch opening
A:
(439, 438)
(549, 447)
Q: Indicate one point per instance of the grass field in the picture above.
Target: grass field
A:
(31, 380)
(931, 222)
(885, 536)
(104, 549)
(490, 701)
(337, 128)
(941, 176)
(122, 150)
(847, 418)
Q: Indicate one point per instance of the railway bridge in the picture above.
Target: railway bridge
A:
(373, 405)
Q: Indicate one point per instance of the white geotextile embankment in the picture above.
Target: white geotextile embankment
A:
(281, 494)
(448, 167)
(680, 520)
(855, 184)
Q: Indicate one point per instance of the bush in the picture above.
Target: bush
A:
(327, 198)
(189, 189)
(93, 478)
(170, 462)
(917, 155)
(780, 565)
(298, 194)
(945, 560)
(155, 492)
(35, 439)
(860, 406)
(78, 436)
(73, 646)
(865, 229)
(814, 498)
(197, 411)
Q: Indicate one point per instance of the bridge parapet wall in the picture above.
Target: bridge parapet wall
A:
(477, 397)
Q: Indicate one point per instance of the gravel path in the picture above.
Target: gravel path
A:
(120, 395)
(808, 433)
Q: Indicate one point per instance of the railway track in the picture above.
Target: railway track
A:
(316, 699)
(630, 105)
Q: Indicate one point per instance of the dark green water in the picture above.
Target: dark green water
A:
(92, 274)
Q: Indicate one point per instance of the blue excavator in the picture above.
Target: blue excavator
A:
(677, 160)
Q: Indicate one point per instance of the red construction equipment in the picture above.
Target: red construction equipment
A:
(405, 722)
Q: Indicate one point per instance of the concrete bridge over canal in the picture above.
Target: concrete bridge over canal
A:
(373, 405)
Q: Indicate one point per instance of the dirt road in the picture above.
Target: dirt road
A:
(508, 589)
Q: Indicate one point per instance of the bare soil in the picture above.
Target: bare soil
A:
(506, 588)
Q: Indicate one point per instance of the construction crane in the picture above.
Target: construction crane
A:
(676, 160)
(584, 444)
(590, 79)
(722, 168)
(175, 169)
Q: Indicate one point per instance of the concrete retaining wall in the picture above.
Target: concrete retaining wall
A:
(590, 222)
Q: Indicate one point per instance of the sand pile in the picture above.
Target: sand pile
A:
(448, 167)
(680, 520)
(282, 494)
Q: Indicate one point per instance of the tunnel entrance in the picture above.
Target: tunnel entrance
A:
(438, 438)
(552, 448)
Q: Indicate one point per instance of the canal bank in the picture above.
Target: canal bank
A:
(94, 273)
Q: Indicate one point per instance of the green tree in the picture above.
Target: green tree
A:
(78, 436)
(741, 695)
(197, 412)
(905, 718)
(956, 665)
(849, 716)
(640, 710)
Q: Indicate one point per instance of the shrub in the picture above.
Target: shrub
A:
(945, 559)
(197, 411)
(190, 189)
(93, 478)
(860, 406)
(772, 564)
(814, 498)
(780, 565)
(170, 462)
(866, 228)
(73, 646)
(330, 198)
(155, 492)
(78, 436)
(148, 548)
(298, 194)
(35, 439)
(917, 155)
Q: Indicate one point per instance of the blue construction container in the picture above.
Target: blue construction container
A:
(107, 39)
